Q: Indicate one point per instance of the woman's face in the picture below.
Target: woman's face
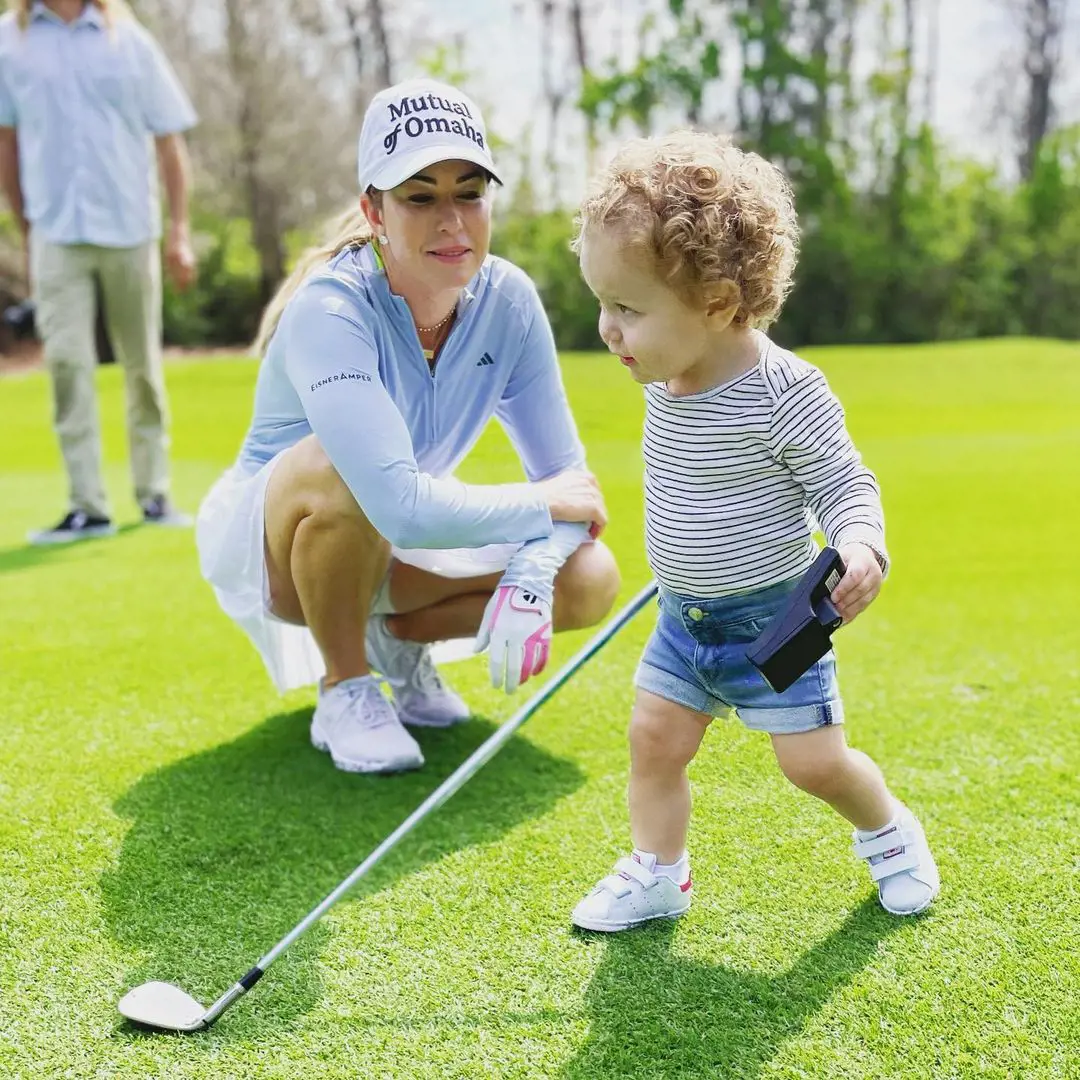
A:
(438, 224)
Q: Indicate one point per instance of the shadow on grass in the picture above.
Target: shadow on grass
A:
(230, 848)
(658, 1014)
(29, 555)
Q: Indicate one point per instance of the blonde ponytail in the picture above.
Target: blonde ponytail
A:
(349, 230)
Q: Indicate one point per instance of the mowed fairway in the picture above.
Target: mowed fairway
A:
(162, 814)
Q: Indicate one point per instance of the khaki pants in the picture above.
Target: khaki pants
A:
(63, 283)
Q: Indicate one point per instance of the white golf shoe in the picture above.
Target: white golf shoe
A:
(631, 895)
(422, 698)
(360, 729)
(901, 864)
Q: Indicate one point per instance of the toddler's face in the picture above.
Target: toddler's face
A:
(656, 333)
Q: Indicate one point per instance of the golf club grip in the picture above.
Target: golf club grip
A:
(469, 767)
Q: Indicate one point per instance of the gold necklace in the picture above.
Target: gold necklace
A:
(441, 322)
(429, 354)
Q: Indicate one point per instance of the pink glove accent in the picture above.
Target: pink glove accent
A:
(537, 647)
(516, 629)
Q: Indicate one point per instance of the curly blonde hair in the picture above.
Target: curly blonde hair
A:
(705, 211)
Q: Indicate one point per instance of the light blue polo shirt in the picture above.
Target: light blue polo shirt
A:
(345, 364)
(86, 101)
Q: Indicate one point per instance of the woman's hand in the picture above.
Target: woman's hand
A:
(575, 496)
(516, 629)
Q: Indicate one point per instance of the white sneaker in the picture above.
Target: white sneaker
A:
(901, 864)
(359, 727)
(422, 698)
(632, 895)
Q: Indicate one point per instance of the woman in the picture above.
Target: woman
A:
(340, 541)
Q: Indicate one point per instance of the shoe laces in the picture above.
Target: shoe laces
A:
(425, 676)
(363, 691)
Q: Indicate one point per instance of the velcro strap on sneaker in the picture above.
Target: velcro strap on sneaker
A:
(628, 867)
(897, 864)
(878, 845)
(617, 886)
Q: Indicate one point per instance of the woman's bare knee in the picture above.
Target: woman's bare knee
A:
(586, 587)
(305, 496)
(306, 483)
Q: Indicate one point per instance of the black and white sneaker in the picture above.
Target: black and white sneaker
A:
(158, 510)
(76, 525)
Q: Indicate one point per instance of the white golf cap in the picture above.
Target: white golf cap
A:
(414, 124)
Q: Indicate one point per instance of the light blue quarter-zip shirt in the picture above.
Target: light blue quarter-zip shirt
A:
(86, 99)
(345, 363)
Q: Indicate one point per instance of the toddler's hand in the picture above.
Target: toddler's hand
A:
(861, 581)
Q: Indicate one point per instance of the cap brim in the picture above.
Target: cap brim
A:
(402, 166)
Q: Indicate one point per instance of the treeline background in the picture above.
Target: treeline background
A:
(907, 235)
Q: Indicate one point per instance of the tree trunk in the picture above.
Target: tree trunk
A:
(263, 210)
(384, 68)
(1042, 36)
(902, 125)
(932, 49)
(356, 43)
(553, 96)
(848, 105)
(581, 55)
(823, 30)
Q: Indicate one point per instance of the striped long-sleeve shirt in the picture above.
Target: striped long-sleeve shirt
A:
(737, 476)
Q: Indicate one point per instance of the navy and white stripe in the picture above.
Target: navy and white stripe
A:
(737, 477)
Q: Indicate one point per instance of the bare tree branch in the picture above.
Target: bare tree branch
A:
(1042, 22)
(384, 66)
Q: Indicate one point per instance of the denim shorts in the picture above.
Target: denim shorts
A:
(697, 657)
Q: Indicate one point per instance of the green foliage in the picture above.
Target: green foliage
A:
(974, 258)
(539, 242)
(903, 241)
(674, 72)
(223, 307)
(1049, 278)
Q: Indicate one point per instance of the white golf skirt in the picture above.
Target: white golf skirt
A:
(229, 535)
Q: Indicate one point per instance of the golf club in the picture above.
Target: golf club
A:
(165, 1007)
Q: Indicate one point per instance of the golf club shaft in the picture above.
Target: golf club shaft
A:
(464, 772)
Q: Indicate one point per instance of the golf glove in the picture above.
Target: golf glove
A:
(516, 630)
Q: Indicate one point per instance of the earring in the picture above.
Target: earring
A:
(384, 239)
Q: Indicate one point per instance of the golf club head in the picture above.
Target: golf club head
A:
(163, 1006)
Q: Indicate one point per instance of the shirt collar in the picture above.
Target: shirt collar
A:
(90, 16)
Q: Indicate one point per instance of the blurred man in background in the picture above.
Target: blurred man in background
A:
(83, 88)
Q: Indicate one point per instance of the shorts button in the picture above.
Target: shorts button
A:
(696, 614)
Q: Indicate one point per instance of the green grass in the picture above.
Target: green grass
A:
(163, 816)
